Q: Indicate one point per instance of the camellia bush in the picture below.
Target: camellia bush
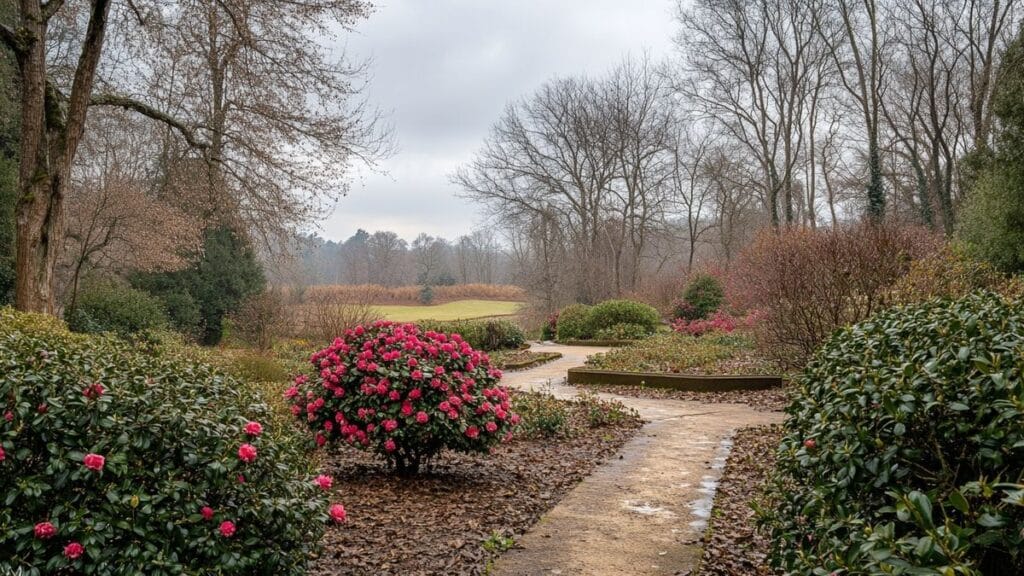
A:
(114, 461)
(904, 447)
(404, 393)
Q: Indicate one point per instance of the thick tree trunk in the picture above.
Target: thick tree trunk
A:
(40, 235)
(52, 127)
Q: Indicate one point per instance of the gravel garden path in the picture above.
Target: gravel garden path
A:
(645, 511)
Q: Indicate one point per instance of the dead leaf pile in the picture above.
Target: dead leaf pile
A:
(732, 546)
(439, 521)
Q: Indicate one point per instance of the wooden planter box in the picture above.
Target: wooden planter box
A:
(686, 382)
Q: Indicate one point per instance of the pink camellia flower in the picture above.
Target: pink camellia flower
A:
(324, 481)
(320, 439)
(415, 394)
(44, 530)
(407, 409)
(3, 455)
(810, 444)
(390, 425)
(247, 453)
(291, 392)
(227, 528)
(422, 417)
(491, 427)
(413, 363)
(207, 513)
(8, 415)
(337, 513)
(42, 408)
(416, 375)
(94, 462)
(94, 390)
(472, 432)
(253, 428)
(395, 395)
(73, 550)
(389, 445)
(515, 419)
(241, 479)
(453, 415)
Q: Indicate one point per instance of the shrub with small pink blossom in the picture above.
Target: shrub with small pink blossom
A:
(115, 461)
(404, 393)
(721, 322)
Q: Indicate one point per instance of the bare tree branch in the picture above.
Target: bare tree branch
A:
(146, 110)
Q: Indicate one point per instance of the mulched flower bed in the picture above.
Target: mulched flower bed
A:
(775, 399)
(731, 545)
(439, 522)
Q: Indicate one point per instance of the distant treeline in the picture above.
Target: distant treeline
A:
(384, 259)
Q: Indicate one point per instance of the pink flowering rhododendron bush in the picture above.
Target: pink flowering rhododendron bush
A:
(404, 393)
(114, 461)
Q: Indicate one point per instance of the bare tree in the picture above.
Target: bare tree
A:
(693, 188)
(857, 38)
(119, 223)
(240, 83)
(386, 253)
(550, 157)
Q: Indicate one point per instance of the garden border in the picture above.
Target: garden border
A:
(685, 382)
(533, 363)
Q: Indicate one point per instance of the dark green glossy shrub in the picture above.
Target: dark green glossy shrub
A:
(107, 306)
(614, 312)
(573, 323)
(703, 295)
(904, 447)
(170, 432)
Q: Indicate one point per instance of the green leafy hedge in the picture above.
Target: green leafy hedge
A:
(106, 306)
(488, 335)
(611, 313)
(623, 331)
(573, 323)
(173, 492)
(904, 447)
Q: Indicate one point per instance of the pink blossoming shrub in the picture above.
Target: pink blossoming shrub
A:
(133, 466)
(404, 393)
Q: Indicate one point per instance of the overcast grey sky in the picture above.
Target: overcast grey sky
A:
(444, 71)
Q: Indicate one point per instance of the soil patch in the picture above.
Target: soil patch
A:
(459, 515)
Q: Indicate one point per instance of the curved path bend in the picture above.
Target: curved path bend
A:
(642, 512)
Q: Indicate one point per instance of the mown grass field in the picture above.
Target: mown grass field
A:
(458, 310)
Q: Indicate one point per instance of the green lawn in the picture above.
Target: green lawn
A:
(458, 310)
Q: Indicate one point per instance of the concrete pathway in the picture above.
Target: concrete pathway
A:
(644, 511)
